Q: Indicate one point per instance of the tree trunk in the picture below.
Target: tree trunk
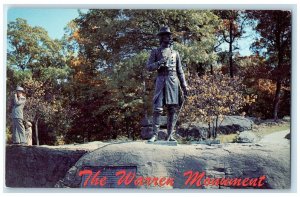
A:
(36, 132)
(277, 99)
(126, 119)
(216, 128)
(200, 69)
(230, 48)
(209, 131)
(278, 42)
(211, 69)
(187, 131)
(132, 135)
(89, 136)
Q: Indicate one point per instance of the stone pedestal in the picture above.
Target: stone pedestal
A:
(206, 142)
(161, 142)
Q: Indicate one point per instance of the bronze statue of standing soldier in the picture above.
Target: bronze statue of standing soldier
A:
(170, 79)
(18, 130)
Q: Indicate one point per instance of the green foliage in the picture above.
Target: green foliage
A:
(124, 33)
(37, 63)
(31, 47)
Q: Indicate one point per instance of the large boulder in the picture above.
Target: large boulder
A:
(199, 130)
(286, 118)
(32, 166)
(222, 160)
(246, 137)
(235, 123)
(58, 166)
(230, 124)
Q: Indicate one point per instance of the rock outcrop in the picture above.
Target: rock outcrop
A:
(48, 166)
(246, 137)
(198, 130)
(31, 166)
(223, 160)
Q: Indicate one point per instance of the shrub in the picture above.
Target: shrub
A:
(211, 97)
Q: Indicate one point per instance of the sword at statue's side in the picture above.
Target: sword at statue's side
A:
(180, 109)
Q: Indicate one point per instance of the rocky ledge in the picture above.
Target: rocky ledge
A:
(59, 166)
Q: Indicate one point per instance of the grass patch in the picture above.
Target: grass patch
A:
(265, 130)
(230, 138)
(260, 132)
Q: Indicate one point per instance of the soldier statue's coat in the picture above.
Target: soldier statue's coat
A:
(169, 80)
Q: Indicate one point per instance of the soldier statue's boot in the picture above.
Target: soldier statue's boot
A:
(171, 121)
(155, 125)
(153, 138)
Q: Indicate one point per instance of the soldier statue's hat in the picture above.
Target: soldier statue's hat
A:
(19, 88)
(164, 30)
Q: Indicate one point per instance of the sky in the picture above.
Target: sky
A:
(243, 43)
(54, 20)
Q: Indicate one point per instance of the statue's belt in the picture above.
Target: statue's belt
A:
(164, 72)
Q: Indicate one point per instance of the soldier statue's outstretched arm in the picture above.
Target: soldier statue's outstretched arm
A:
(152, 64)
(180, 72)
